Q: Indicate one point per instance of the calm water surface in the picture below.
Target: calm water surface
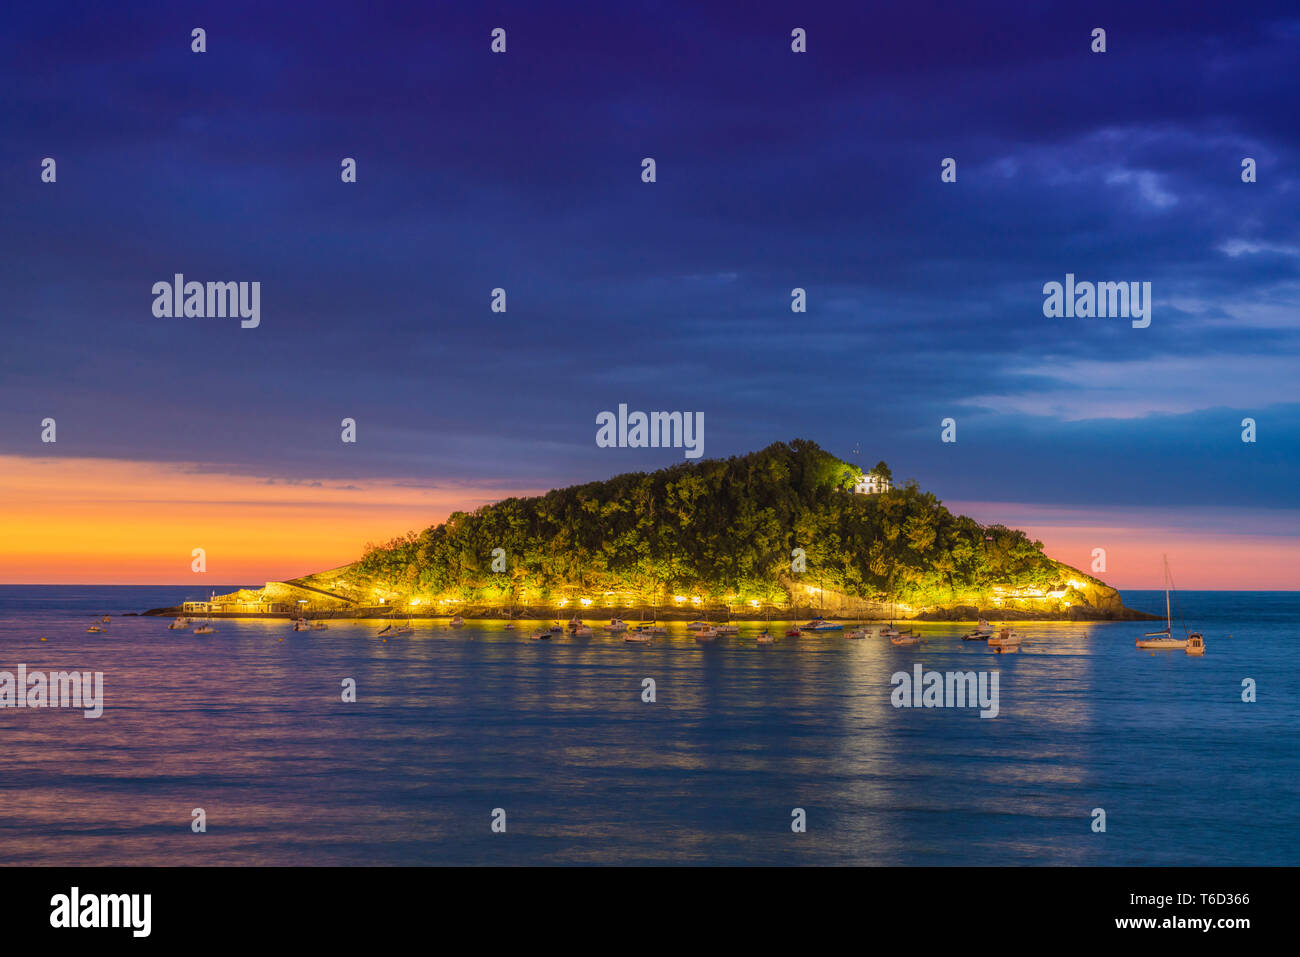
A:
(451, 723)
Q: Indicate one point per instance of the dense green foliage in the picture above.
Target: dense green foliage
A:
(724, 530)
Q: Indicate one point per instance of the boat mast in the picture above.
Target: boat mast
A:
(1169, 623)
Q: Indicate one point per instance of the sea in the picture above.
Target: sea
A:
(476, 746)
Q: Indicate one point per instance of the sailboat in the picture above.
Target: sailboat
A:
(1164, 640)
(205, 628)
(653, 628)
(403, 629)
(983, 631)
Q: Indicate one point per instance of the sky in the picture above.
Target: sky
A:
(523, 171)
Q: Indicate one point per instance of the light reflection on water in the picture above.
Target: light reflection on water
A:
(451, 723)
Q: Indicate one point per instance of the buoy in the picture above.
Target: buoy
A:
(42, 639)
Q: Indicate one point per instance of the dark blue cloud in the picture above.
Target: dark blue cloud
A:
(775, 171)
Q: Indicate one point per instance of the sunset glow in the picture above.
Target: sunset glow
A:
(114, 522)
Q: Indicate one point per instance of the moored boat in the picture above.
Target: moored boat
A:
(1164, 640)
(905, 638)
(180, 624)
(821, 624)
(616, 624)
(765, 637)
(582, 631)
(1005, 640)
(858, 633)
(204, 629)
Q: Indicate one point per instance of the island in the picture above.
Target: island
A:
(786, 532)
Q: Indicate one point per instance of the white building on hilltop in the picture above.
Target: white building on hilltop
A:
(872, 483)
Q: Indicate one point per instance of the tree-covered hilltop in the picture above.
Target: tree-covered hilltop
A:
(719, 531)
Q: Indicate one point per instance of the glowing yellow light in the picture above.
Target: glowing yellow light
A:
(679, 598)
(585, 602)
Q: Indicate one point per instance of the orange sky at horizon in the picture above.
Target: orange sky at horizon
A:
(102, 521)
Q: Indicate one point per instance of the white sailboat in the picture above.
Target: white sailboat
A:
(1164, 640)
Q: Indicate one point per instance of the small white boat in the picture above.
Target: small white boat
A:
(656, 630)
(765, 637)
(107, 618)
(540, 636)
(639, 636)
(94, 630)
(727, 629)
(582, 631)
(557, 629)
(403, 629)
(180, 624)
(706, 634)
(1005, 640)
(1195, 644)
(510, 626)
(456, 621)
(889, 631)
(696, 625)
(821, 624)
(616, 624)
(301, 624)
(858, 633)
(905, 638)
(983, 631)
(575, 623)
(204, 629)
